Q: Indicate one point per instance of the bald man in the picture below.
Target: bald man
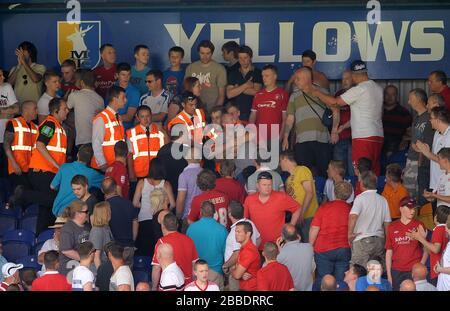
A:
(407, 286)
(172, 278)
(419, 275)
(143, 287)
(328, 283)
(312, 148)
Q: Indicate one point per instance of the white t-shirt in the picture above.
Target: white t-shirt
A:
(444, 188)
(158, 103)
(366, 107)
(443, 283)
(146, 210)
(80, 277)
(210, 287)
(49, 245)
(7, 98)
(232, 245)
(42, 104)
(439, 141)
(122, 276)
(172, 278)
(373, 211)
(328, 191)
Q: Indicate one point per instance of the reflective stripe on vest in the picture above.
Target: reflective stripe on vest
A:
(134, 140)
(110, 125)
(20, 130)
(58, 148)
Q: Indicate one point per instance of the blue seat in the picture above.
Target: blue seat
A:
(320, 186)
(31, 210)
(42, 238)
(17, 244)
(398, 157)
(7, 223)
(28, 223)
(15, 212)
(143, 263)
(141, 276)
(381, 181)
(29, 262)
(352, 179)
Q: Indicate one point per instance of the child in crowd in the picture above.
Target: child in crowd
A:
(336, 173)
(394, 190)
(83, 279)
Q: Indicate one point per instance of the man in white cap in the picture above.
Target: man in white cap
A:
(11, 276)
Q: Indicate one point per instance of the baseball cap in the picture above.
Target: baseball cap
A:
(264, 175)
(408, 202)
(10, 268)
(188, 96)
(358, 66)
(59, 222)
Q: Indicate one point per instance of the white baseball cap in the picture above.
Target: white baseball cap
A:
(10, 268)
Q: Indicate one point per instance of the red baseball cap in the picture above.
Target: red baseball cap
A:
(408, 202)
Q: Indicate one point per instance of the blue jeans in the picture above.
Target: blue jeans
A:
(343, 152)
(334, 262)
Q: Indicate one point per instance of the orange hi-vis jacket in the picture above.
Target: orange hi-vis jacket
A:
(56, 147)
(114, 132)
(24, 139)
(195, 128)
(144, 148)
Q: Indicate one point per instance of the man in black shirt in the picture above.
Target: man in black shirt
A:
(230, 55)
(244, 83)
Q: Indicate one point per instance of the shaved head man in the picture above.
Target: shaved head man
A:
(419, 275)
(328, 283)
(407, 286)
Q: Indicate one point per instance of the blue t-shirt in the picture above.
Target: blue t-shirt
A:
(133, 97)
(138, 79)
(362, 283)
(173, 81)
(209, 238)
(122, 215)
(62, 181)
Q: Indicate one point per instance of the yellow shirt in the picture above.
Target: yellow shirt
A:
(295, 189)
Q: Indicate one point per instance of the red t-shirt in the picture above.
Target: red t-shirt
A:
(184, 252)
(439, 236)
(51, 281)
(232, 188)
(249, 258)
(269, 107)
(405, 251)
(269, 217)
(344, 117)
(220, 201)
(446, 94)
(274, 276)
(118, 171)
(104, 79)
(332, 218)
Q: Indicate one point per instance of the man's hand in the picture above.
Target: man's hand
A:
(418, 234)
(280, 242)
(422, 147)
(430, 196)
(352, 236)
(437, 268)
(285, 144)
(249, 83)
(246, 276)
(16, 168)
(20, 57)
(334, 138)
(389, 277)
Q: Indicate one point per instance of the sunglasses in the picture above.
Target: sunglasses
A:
(25, 77)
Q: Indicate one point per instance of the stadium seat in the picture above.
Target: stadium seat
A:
(7, 223)
(42, 238)
(28, 223)
(141, 276)
(320, 185)
(17, 244)
(29, 262)
(31, 210)
(15, 212)
(381, 181)
(142, 263)
(352, 179)
(398, 157)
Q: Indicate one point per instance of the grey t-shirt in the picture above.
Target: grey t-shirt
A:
(100, 236)
(72, 235)
(299, 259)
(421, 130)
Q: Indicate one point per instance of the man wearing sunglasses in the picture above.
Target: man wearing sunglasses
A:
(27, 75)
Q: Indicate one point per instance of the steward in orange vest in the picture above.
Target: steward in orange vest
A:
(144, 141)
(20, 137)
(192, 120)
(49, 152)
(108, 129)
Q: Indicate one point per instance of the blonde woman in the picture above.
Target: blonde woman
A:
(74, 232)
(141, 200)
(100, 233)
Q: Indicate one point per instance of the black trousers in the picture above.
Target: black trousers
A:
(314, 155)
(42, 195)
(398, 277)
(20, 180)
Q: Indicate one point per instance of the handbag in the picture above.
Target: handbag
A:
(326, 118)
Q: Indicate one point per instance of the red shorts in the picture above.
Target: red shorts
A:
(368, 147)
